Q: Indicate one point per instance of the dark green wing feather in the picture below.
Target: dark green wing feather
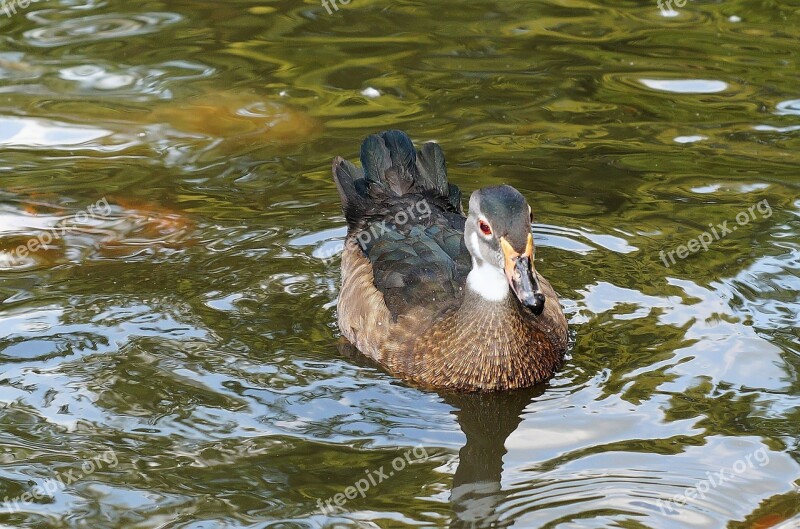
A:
(420, 264)
(421, 260)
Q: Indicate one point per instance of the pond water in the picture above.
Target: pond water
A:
(168, 350)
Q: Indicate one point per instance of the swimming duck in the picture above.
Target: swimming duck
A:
(443, 299)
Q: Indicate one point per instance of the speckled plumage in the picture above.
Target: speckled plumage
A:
(404, 301)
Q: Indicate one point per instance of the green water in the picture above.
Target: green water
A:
(173, 357)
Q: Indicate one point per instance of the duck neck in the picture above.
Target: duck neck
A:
(488, 302)
(479, 311)
(487, 282)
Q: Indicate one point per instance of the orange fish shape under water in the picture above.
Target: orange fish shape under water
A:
(42, 233)
(237, 117)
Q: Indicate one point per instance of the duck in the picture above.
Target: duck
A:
(442, 298)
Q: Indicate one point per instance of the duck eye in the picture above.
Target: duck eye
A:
(485, 228)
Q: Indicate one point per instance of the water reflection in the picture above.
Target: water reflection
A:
(686, 86)
(193, 330)
(97, 27)
(487, 421)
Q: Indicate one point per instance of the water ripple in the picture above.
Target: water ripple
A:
(98, 27)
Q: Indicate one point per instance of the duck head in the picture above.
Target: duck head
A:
(498, 236)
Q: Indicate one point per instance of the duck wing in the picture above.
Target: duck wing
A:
(420, 264)
(408, 220)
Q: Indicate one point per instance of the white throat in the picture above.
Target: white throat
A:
(488, 281)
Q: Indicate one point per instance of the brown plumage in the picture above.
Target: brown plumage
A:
(437, 298)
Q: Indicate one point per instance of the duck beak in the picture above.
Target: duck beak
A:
(522, 275)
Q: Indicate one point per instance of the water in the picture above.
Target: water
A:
(171, 354)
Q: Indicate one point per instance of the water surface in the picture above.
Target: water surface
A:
(169, 350)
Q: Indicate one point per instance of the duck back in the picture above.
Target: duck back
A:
(406, 219)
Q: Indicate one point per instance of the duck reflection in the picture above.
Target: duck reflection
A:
(487, 419)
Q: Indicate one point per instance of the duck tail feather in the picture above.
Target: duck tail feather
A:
(375, 159)
(390, 163)
(402, 176)
(352, 188)
(401, 150)
(454, 197)
(432, 169)
(391, 167)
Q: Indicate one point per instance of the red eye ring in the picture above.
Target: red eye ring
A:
(485, 228)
